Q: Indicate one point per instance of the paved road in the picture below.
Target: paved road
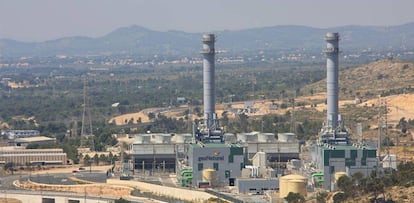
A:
(6, 182)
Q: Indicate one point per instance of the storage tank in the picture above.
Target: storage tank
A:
(286, 137)
(292, 183)
(210, 175)
(338, 175)
(297, 186)
(266, 137)
(142, 139)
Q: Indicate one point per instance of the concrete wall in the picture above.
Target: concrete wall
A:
(256, 186)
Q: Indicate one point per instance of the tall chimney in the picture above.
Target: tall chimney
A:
(332, 55)
(208, 79)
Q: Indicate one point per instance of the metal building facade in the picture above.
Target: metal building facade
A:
(226, 160)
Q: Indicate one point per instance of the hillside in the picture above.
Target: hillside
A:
(145, 42)
(383, 78)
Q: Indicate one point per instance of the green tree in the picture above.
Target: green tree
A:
(339, 197)
(122, 201)
(346, 185)
(294, 198)
(96, 159)
(321, 197)
(103, 158)
(9, 166)
(86, 160)
(402, 124)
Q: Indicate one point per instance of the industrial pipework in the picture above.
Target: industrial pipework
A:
(332, 55)
(208, 53)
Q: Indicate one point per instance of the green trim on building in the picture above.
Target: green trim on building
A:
(337, 153)
(354, 154)
(235, 150)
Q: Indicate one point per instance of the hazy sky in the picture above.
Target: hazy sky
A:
(38, 20)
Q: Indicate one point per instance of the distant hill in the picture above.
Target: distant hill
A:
(385, 77)
(136, 40)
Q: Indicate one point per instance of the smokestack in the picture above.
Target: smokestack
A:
(208, 79)
(332, 55)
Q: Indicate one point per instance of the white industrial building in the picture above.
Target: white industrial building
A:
(22, 156)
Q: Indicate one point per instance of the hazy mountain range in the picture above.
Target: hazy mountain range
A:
(136, 40)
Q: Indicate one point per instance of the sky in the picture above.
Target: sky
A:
(40, 20)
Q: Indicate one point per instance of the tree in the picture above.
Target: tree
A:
(111, 158)
(321, 197)
(243, 122)
(151, 115)
(9, 166)
(294, 198)
(103, 158)
(96, 159)
(86, 159)
(403, 125)
(346, 185)
(339, 197)
(122, 201)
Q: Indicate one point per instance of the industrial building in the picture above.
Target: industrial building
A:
(22, 156)
(282, 149)
(215, 164)
(12, 134)
(158, 151)
(209, 157)
(24, 141)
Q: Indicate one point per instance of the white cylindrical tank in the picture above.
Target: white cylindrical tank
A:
(266, 137)
(210, 175)
(292, 183)
(338, 175)
(286, 137)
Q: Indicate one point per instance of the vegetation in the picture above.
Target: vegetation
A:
(376, 184)
(121, 200)
(53, 102)
(295, 198)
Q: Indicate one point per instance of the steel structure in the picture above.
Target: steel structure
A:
(208, 53)
(332, 55)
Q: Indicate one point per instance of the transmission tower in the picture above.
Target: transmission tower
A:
(86, 119)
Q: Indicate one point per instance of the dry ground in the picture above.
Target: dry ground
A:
(9, 200)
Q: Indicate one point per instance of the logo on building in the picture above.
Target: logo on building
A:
(216, 157)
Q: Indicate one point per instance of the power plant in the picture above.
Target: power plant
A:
(209, 130)
(209, 157)
(251, 161)
(333, 152)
